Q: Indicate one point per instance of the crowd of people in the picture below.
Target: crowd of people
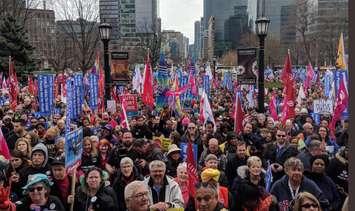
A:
(268, 166)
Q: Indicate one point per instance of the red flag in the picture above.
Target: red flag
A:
(238, 115)
(191, 169)
(31, 86)
(288, 107)
(309, 77)
(192, 83)
(147, 94)
(340, 106)
(114, 94)
(272, 107)
(13, 84)
(4, 149)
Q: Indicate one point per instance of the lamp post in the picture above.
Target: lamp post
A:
(214, 67)
(262, 25)
(105, 31)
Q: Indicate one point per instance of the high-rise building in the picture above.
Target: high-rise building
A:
(110, 13)
(197, 39)
(41, 29)
(236, 26)
(221, 10)
(327, 19)
(288, 26)
(174, 46)
(273, 11)
(252, 13)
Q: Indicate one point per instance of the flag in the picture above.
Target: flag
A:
(192, 83)
(238, 115)
(147, 93)
(309, 77)
(205, 110)
(340, 62)
(124, 118)
(101, 104)
(288, 107)
(209, 72)
(301, 95)
(268, 178)
(13, 84)
(137, 80)
(340, 106)
(191, 169)
(272, 107)
(4, 149)
(31, 86)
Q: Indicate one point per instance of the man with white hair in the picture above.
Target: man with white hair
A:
(164, 192)
(136, 196)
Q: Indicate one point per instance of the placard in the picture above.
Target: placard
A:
(322, 106)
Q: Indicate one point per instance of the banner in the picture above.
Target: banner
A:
(131, 104)
(73, 147)
(246, 60)
(78, 94)
(69, 114)
(46, 93)
(162, 79)
(206, 85)
(322, 106)
(119, 66)
(93, 91)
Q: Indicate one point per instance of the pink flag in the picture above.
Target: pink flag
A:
(340, 106)
(288, 107)
(13, 85)
(192, 83)
(272, 107)
(238, 115)
(191, 169)
(309, 77)
(4, 149)
(147, 94)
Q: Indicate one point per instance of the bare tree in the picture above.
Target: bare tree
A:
(229, 58)
(305, 17)
(79, 26)
(18, 9)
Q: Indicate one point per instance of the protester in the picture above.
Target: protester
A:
(164, 192)
(94, 194)
(173, 160)
(136, 196)
(38, 196)
(306, 201)
(234, 160)
(127, 174)
(287, 188)
(206, 198)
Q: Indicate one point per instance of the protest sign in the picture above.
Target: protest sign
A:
(322, 106)
(131, 103)
(73, 147)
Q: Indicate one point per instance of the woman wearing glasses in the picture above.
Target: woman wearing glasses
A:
(38, 196)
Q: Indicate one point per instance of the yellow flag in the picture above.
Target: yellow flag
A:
(340, 63)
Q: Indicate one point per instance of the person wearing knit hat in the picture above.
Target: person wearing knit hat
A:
(211, 176)
(38, 196)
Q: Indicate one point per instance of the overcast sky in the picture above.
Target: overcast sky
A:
(180, 15)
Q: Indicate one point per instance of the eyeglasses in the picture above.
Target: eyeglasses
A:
(141, 195)
(205, 198)
(191, 128)
(39, 189)
(282, 136)
(308, 205)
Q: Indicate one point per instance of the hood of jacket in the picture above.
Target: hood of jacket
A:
(41, 147)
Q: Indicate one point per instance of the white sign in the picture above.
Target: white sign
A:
(323, 106)
(111, 106)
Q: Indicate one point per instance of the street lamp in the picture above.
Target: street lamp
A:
(262, 25)
(105, 31)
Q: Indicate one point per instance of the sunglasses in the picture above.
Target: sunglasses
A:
(39, 189)
(307, 206)
(281, 136)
